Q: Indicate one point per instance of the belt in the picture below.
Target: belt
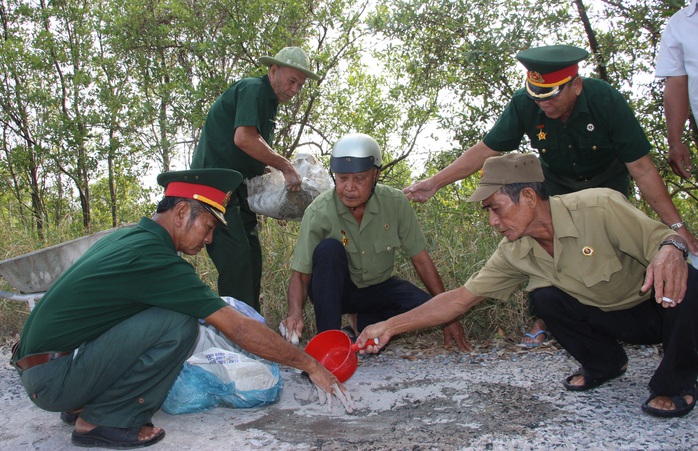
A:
(31, 361)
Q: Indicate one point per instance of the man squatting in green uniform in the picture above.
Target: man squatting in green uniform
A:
(110, 336)
(345, 255)
(237, 135)
(585, 138)
(599, 271)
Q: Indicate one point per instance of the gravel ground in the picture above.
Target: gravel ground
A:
(498, 397)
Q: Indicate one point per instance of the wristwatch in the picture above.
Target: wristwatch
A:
(677, 244)
(677, 225)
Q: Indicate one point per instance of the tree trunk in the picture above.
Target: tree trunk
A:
(593, 42)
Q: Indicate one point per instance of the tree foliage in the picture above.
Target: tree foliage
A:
(98, 96)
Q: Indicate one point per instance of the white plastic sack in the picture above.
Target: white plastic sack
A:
(232, 366)
(220, 356)
(267, 194)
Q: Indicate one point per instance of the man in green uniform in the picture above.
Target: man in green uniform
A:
(237, 135)
(108, 339)
(345, 255)
(595, 280)
(584, 132)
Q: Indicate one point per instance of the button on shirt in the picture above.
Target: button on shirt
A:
(601, 130)
(598, 258)
(389, 223)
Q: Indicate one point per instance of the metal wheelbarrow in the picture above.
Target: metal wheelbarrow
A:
(33, 273)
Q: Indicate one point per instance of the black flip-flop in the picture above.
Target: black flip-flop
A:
(114, 438)
(589, 383)
(682, 407)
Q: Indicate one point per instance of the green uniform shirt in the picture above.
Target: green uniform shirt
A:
(602, 247)
(124, 273)
(389, 222)
(600, 135)
(249, 102)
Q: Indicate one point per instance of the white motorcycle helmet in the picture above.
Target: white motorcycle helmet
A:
(353, 153)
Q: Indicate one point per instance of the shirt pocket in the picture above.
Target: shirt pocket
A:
(608, 274)
(386, 245)
(349, 247)
(597, 143)
(384, 258)
(550, 152)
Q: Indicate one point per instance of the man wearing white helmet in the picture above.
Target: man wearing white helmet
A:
(345, 256)
(237, 135)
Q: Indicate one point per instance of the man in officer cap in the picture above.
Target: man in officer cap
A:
(237, 135)
(595, 281)
(584, 132)
(345, 255)
(110, 336)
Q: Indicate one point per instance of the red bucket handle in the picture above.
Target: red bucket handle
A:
(355, 346)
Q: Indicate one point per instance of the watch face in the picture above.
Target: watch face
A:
(678, 245)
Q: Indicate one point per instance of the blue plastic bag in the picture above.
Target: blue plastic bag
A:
(198, 390)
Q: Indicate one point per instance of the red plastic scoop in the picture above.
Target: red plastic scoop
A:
(333, 348)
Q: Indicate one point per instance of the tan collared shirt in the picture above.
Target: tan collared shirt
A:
(602, 246)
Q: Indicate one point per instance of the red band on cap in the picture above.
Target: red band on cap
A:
(553, 79)
(211, 196)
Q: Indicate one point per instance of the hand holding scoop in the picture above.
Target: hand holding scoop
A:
(335, 351)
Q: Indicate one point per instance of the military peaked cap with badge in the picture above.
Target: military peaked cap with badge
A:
(293, 57)
(513, 167)
(549, 68)
(212, 187)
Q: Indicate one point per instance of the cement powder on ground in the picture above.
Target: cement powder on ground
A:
(496, 398)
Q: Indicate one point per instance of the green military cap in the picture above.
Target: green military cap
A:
(293, 57)
(549, 68)
(212, 187)
(512, 167)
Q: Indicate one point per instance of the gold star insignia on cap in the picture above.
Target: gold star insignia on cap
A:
(535, 77)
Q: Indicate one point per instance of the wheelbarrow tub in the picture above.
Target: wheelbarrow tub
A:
(36, 271)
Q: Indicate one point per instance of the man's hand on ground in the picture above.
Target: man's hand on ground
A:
(453, 332)
(341, 393)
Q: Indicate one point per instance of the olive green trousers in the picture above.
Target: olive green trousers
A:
(121, 378)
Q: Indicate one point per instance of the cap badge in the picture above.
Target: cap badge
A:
(535, 77)
(590, 127)
(588, 251)
(226, 199)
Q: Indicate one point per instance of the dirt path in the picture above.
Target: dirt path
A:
(495, 398)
